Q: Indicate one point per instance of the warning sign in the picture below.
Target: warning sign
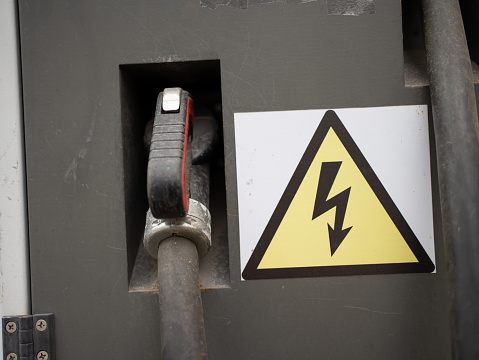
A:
(335, 217)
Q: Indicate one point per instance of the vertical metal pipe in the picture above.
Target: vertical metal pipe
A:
(182, 329)
(457, 140)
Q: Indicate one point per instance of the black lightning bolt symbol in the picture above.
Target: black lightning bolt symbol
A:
(328, 173)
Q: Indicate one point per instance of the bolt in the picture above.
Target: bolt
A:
(41, 325)
(11, 327)
(42, 355)
(12, 356)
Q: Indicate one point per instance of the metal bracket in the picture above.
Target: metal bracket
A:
(195, 226)
(29, 337)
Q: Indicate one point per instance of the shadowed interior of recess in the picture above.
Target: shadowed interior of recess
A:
(140, 86)
(415, 68)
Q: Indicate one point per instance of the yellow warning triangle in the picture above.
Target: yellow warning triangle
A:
(335, 218)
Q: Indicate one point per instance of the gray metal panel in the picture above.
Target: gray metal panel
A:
(279, 56)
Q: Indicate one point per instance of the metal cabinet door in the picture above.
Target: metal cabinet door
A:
(277, 55)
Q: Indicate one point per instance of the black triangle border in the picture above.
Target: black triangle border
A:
(331, 120)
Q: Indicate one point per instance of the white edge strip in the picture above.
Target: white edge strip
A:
(14, 269)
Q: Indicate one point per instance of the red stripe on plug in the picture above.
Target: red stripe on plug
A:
(190, 112)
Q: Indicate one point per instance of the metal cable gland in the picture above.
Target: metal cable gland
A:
(195, 226)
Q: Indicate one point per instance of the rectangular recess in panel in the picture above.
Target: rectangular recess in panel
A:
(140, 86)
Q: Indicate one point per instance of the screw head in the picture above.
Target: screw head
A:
(42, 355)
(11, 327)
(41, 325)
(12, 356)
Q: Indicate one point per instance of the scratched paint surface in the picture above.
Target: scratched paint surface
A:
(350, 7)
(243, 4)
(335, 7)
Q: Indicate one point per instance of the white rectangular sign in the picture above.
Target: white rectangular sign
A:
(334, 192)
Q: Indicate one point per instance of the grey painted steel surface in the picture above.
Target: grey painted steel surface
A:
(279, 56)
(457, 137)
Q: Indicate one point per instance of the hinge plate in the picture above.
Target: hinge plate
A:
(29, 337)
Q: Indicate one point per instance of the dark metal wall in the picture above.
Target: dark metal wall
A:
(278, 56)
